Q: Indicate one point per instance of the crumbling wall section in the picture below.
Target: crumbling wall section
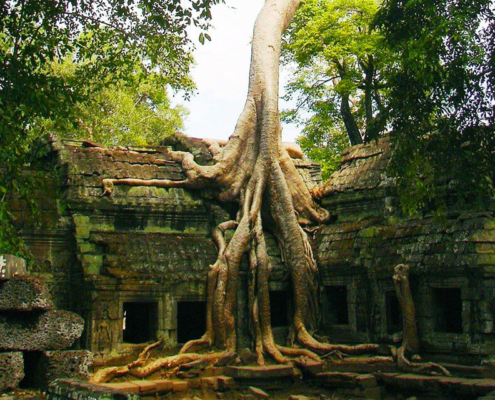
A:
(452, 260)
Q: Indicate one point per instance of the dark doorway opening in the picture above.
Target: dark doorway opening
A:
(140, 322)
(279, 308)
(394, 313)
(191, 320)
(32, 373)
(447, 310)
(337, 309)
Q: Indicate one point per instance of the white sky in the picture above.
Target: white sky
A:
(222, 72)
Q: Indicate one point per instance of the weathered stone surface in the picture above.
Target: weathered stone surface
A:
(24, 293)
(11, 266)
(61, 364)
(11, 370)
(264, 372)
(258, 393)
(52, 330)
(65, 389)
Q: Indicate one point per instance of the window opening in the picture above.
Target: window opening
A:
(279, 308)
(139, 324)
(394, 313)
(337, 309)
(191, 320)
(447, 310)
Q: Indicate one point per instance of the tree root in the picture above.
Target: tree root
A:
(107, 374)
(255, 170)
(428, 368)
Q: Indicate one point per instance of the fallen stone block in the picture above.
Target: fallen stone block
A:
(58, 364)
(11, 266)
(164, 385)
(53, 330)
(263, 372)
(66, 389)
(126, 387)
(146, 387)
(218, 383)
(24, 293)
(180, 386)
(310, 367)
(11, 370)
(258, 393)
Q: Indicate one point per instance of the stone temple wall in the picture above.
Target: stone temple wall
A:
(141, 256)
(452, 260)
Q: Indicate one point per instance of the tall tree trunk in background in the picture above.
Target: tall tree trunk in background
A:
(349, 122)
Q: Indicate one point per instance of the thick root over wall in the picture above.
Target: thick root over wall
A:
(254, 170)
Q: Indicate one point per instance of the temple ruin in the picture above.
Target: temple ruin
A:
(134, 264)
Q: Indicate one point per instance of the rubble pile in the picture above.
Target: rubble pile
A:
(34, 337)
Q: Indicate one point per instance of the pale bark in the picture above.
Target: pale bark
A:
(410, 337)
(254, 169)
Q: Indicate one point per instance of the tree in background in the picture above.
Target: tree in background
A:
(339, 78)
(107, 40)
(136, 111)
(442, 97)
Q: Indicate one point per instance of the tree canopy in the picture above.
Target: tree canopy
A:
(442, 97)
(136, 111)
(340, 73)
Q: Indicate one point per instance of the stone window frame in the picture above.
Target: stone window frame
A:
(142, 296)
(424, 310)
(384, 286)
(172, 326)
(348, 282)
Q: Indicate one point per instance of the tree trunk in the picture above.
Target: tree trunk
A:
(349, 122)
(256, 171)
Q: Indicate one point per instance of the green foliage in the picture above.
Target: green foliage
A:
(107, 39)
(324, 144)
(132, 112)
(442, 98)
(340, 68)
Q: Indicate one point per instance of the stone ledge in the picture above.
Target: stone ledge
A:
(52, 330)
(24, 293)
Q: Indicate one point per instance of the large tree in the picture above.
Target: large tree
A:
(340, 67)
(442, 98)
(255, 171)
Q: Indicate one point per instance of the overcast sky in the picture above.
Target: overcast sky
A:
(221, 73)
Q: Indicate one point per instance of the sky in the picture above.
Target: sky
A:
(221, 73)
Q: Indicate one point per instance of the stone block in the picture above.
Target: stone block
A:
(11, 266)
(180, 386)
(52, 330)
(127, 387)
(24, 293)
(311, 367)
(11, 370)
(258, 393)
(67, 389)
(218, 383)
(164, 385)
(146, 387)
(263, 372)
(487, 236)
(60, 364)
